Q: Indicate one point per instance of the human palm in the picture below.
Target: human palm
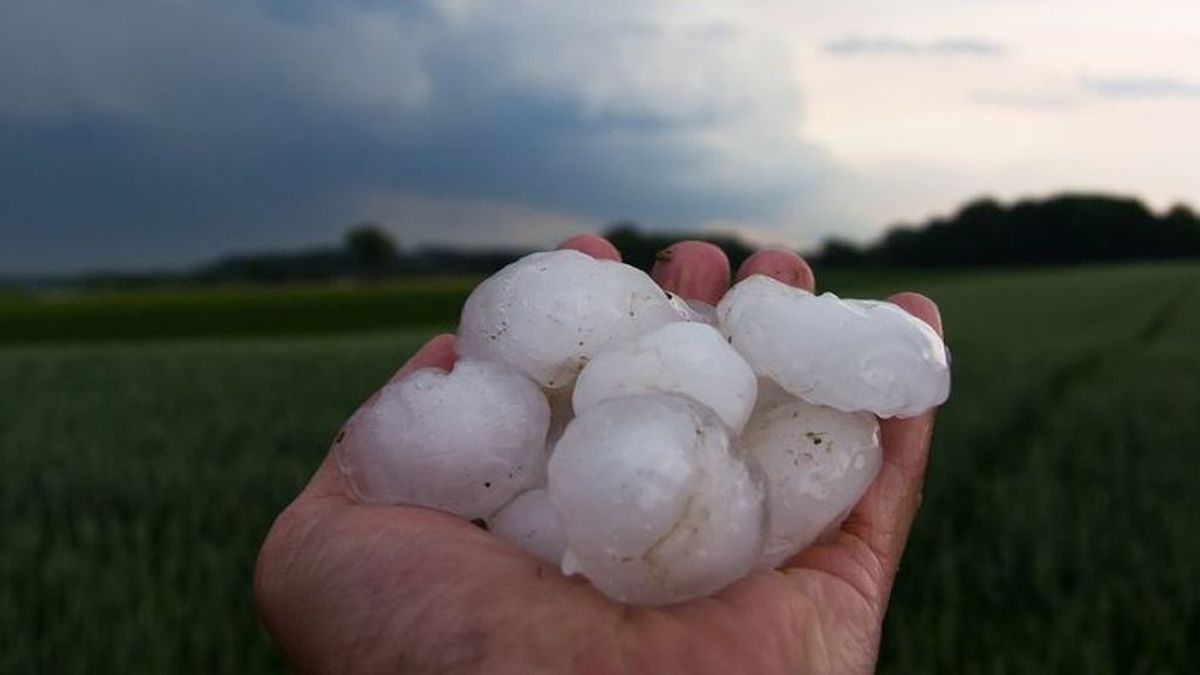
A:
(349, 587)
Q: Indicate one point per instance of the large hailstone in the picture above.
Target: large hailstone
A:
(465, 442)
(530, 523)
(548, 313)
(816, 463)
(680, 358)
(847, 354)
(655, 507)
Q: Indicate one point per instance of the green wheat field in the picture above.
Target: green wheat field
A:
(147, 440)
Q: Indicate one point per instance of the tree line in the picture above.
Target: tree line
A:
(1059, 230)
(1064, 229)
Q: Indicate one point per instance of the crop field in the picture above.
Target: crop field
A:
(300, 309)
(147, 441)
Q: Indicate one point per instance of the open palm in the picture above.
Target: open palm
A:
(347, 587)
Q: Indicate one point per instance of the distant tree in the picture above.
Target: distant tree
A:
(1067, 228)
(1181, 212)
(371, 248)
(839, 253)
(631, 242)
(1182, 235)
(1059, 229)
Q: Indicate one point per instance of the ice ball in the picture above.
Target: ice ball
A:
(816, 463)
(691, 359)
(851, 355)
(530, 523)
(465, 441)
(548, 313)
(655, 506)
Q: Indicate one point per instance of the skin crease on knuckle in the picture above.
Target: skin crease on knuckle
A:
(343, 587)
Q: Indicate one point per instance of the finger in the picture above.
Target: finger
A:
(906, 451)
(781, 265)
(921, 307)
(437, 353)
(597, 247)
(694, 270)
(883, 517)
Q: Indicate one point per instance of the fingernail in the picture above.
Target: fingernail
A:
(781, 265)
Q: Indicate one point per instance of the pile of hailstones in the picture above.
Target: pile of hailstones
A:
(661, 448)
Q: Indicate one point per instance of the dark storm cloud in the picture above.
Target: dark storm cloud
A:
(134, 134)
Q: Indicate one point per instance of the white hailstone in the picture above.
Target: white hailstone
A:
(815, 463)
(847, 354)
(693, 310)
(548, 313)
(465, 442)
(655, 507)
(530, 523)
(685, 358)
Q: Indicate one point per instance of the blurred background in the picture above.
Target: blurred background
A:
(223, 224)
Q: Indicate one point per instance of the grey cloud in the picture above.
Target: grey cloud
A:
(1024, 100)
(204, 126)
(717, 30)
(967, 46)
(1104, 87)
(1142, 87)
(857, 45)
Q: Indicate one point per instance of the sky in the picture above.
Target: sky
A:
(138, 134)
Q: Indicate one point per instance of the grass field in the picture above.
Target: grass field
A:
(1060, 530)
(113, 316)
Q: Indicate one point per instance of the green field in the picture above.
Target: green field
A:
(1060, 530)
(172, 313)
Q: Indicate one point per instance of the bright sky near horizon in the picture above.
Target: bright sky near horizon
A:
(137, 134)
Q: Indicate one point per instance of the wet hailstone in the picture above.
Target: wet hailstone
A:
(548, 313)
(530, 523)
(655, 505)
(629, 436)
(846, 354)
(685, 358)
(465, 442)
(815, 463)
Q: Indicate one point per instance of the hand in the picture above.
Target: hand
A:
(348, 587)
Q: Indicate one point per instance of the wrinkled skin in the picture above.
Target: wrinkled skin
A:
(349, 588)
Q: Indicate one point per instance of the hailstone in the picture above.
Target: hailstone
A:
(466, 441)
(547, 314)
(530, 523)
(691, 359)
(655, 506)
(816, 463)
(660, 447)
(852, 355)
(693, 310)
